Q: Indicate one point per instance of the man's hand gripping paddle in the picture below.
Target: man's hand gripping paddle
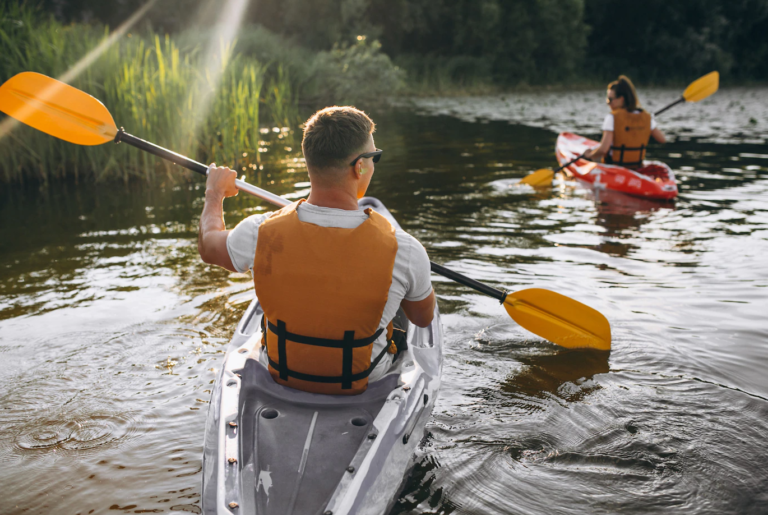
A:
(74, 116)
(698, 90)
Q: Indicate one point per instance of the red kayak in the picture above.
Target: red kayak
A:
(655, 180)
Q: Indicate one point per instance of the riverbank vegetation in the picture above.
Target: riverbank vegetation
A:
(218, 102)
(171, 81)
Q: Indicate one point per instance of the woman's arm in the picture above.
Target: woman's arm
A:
(605, 146)
(658, 135)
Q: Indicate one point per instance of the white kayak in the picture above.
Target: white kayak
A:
(274, 450)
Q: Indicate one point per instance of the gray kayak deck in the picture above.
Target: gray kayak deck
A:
(299, 450)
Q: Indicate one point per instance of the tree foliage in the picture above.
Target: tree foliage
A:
(504, 41)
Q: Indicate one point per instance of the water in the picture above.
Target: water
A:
(111, 329)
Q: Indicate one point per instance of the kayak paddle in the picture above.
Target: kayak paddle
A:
(697, 90)
(67, 113)
(543, 177)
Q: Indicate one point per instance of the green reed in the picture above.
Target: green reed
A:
(152, 88)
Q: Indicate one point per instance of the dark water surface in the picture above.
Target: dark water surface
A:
(111, 329)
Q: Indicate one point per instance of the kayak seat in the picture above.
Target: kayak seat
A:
(654, 171)
(282, 477)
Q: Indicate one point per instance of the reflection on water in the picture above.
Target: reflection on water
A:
(555, 374)
(111, 329)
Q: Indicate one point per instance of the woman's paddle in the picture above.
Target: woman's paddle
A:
(697, 90)
(72, 115)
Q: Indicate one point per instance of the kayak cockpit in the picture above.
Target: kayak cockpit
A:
(271, 449)
(294, 452)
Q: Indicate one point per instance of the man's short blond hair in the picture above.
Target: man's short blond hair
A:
(333, 134)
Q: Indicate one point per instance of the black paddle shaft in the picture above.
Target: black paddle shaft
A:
(466, 281)
(673, 104)
(569, 163)
(189, 164)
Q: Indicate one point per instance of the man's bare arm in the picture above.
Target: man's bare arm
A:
(420, 312)
(212, 239)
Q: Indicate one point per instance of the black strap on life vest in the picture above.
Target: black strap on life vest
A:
(625, 148)
(347, 344)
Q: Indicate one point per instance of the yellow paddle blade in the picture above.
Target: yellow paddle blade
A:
(559, 319)
(57, 109)
(702, 88)
(541, 177)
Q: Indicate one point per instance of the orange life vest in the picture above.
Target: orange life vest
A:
(323, 291)
(631, 132)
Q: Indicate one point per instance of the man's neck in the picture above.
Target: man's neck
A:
(335, 198)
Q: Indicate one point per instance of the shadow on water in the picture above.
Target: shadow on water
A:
(548, 374)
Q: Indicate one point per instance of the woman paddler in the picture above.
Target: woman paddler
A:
(627, 129)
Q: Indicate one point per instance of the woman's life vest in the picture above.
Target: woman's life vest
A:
(631, 132)
(323, 290)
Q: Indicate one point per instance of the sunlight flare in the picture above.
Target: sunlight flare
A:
(217, 54)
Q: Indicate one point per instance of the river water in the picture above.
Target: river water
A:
(111, 329)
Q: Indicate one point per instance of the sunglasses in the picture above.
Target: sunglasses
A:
(376, 155)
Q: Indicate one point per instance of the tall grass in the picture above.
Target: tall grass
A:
(153, 89)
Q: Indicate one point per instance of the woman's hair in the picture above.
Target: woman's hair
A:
(623, 87)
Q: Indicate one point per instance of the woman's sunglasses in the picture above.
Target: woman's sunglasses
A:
(376, 155)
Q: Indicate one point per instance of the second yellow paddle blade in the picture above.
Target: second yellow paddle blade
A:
(702, 88)
(559, 319)
(541, 177)
(57, 109)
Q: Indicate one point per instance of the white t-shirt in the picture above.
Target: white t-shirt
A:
(411, 279)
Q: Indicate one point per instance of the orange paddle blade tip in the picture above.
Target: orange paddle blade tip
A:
(56, 108)
(559, 319)
(539, 178)
(702, 88)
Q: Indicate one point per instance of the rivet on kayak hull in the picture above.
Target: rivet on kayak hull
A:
(233, 505)
(350, 469)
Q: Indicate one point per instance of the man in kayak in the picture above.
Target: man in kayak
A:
(627, 129)
(329, 275)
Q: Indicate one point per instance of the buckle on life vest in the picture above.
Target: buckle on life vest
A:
(399, 341)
